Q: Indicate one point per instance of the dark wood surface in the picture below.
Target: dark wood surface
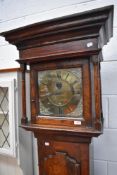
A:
(87, 24)
(63, 158)
(67, 42)
(24, 117)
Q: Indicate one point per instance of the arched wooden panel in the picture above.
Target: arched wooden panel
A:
(61, 164)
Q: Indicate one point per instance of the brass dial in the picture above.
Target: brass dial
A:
(59, 91)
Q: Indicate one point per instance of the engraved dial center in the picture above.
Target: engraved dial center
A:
(61, 93)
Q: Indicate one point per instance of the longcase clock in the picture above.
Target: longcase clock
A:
(64, 56)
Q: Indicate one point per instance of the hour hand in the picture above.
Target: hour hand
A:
(45, 94)
(50, 94)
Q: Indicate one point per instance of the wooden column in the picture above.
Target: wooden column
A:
(24, 118)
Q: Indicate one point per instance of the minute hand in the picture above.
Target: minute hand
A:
(50, 94)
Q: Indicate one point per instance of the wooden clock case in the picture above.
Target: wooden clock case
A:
(66, 42)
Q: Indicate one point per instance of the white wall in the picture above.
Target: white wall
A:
(14, 14)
